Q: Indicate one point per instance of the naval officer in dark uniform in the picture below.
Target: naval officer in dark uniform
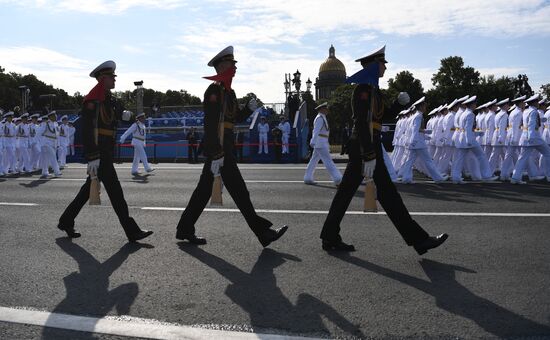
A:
(366, 160)
(100, 116)
(221, 107)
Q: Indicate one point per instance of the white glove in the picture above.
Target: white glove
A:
(385, 128)
(403, 98)
(92, 168)
(215, 166)
(126, 115)
(368, 168)
(121, 141)
(252, 104)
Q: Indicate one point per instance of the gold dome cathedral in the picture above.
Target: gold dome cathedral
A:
(332, 73)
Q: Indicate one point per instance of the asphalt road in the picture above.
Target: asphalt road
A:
(489, 280)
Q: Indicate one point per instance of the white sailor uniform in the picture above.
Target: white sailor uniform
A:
(321, 151)
(139, 134)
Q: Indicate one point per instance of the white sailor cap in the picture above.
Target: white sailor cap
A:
(480, 107)
(64, 117)
(39, 119)
(24, 115)
(433, 111)
(533, 98)
(419, 101)
(36, 115)
(16, 120)
(107, 67)
(543, 101)
(140, 115)
(519, 99)
(52, 113)
(452, 104)
(8, 114)
(512, 108)
(379, 55)
(461, 100)
(325, 104)
(225, 54)
(491, 103)
(502, 102)
(472, 99)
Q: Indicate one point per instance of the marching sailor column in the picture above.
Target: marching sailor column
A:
(221, 111)
(100, 116)
(72, 131)
(9, 143)
(418, 148)
(263, 129)
(531, 140)
(447, 128)
(137, 130)
(498, 140)
(321, 148)
(513, 133)
(366, 160)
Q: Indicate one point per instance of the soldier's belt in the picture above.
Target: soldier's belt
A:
(106, 132)
(138, 138)
(50, 137)
(454, 129)
(228, 125)
(323, 135)
(377, 126)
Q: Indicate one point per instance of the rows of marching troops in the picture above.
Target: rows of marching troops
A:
(502, 140)
(31, 143)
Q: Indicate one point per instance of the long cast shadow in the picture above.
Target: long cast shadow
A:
(453, 297)
(257, 293)
(88, 291)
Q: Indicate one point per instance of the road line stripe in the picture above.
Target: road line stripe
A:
(142, 328)
(324, 212)
(19, 204)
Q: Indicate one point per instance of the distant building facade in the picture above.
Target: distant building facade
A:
(332, 74)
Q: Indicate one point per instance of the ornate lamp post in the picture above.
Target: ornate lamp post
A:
(139, 96)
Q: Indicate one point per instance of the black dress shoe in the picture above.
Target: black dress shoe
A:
(140, 235)
(339, 246)
(430, 243)
(271, 235)
(70, 231)
(193, 239)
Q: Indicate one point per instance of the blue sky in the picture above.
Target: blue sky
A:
(167, 43)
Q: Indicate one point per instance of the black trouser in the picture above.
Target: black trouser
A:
(107, 175)
(236, 187)
(192, 153)
(386, 192)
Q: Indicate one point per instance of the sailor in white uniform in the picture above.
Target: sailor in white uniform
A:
(2, 144)
(137, 130)
(321, 148)
(49, 133)
(531, 140)
(63, 141)
(22, 144)
(263, 129)
(9, 143)
(34, 143)
(498, 139)
(284, 126)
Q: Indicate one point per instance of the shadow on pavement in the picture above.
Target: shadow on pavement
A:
(453, 297)
(88, 291)
(257, 293)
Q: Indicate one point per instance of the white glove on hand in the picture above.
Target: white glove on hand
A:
(252, 105)
(126, 115)
(403, 98)
(368, 168)
(93, 166)
(121, 141)
(215, 166)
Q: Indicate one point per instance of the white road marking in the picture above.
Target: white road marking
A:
(19, 204)
(241, 167)
(142, 328)
(351, 212)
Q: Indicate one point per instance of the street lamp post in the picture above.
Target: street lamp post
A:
(139, 96)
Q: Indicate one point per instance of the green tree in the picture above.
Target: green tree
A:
(490, 88)
(451, 81)
(522, 87)
(404, 81)
(545, 90)
(244, 100)
(340, 111)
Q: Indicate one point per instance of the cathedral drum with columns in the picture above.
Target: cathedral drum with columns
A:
(332, 74)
